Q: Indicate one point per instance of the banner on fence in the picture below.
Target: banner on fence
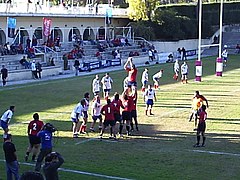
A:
(47, 27)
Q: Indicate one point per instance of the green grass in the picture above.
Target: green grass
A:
(162, 149)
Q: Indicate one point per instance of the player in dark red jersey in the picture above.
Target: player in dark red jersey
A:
(132, 73)
(117, 102)
(133, 98)
(201, 126)
(34, 142)
(108, 111)
(126, 113)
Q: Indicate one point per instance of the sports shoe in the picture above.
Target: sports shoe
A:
(196, 145)
(203, 145)
(92, 130)
(151, 114)
(137, 129)
(100, 137)
(26, 158)
(111, 137)
(121, 135)
(195, 129)
(75, 136)
(83, 132)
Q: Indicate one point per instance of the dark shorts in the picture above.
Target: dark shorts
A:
(126, 115)
(150, 102)
(156, 79)
(96, 93)
(4, 125)
(75, 120)
(85, 114)
(201, 127)
(107, 90)
(133, 113)
(109, 122)
(132, 83)
(145, 82)
(97, 117)
(34, 140)
(117, 117)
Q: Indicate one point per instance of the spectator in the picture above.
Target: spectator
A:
(179, 53)
(65, 61)
(12, 164)
(34, 70)
(127, 42)
(46, 143)
(225, 55)
(39, 69)
(76, 66)
(52, 62)
(28, 41)
(150, 55)
(4, 73)
(34, 41)
(183, 54)
(238, 48)
(7, 47)
(52, 162)
(30, 175)
(24, 62)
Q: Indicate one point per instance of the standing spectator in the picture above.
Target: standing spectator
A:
(34, 141)
(238, 48)
(4, 73)
(184, 72)
(12, 164)
(149, 96)
(52, 162)
(46, 144)
(34, 42)
(201, 127)
(76, 66)
(132, 73)
(225, 55)
(28, 42)
(34, 70)
(144, 79)
(96, 113)
(96, 85)
(5, 120)
(65, 61)
(107, 85)
(156, 78)
(108, 111)
(39, 69)
(150, 55)
(176, 68)
(183, 54)
(75, 116)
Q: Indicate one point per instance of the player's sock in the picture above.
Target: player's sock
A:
(33, 157)
(131, 124)
(81, 128)
(198, 140)
(100, 128)
(111, 131)
(143, 89)
(146, 112)
(84, 128)
(203, 143)
(128, 129)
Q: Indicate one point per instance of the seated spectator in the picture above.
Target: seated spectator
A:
(122, 42)
(136, 53)
(30, 53)
(2, 50)
(127, 43)
(170, 58)
(131, 54)
(98, 55)
(7, 47)
(25, 63)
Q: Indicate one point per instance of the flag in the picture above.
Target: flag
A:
(47, 27)
(11, 23)
(108, 16)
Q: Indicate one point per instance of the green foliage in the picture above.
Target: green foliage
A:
(143, 29)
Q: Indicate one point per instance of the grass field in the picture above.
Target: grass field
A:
(162, 149)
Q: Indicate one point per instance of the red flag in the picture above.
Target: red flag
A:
(46, 27)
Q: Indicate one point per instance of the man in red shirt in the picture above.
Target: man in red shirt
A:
(126, 113)
(108, 111)
(132, 73)
(201, 126)
(34, 141)
(133, 98)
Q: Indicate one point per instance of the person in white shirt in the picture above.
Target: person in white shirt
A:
(96, 113)
(96, 85)
(107, 85)
(156, 78)
(144, 79)
(75, 116)
(176, 70)
(184, 72)
(225, 56)
(5, 120)
(34, 70)
(125, 83)
(149, 97)
(150, 55)
(83, 127)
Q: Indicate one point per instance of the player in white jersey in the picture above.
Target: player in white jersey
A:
(176, 70)
(83, 127)
(156, 78)
(144, 79)
(149, 96)
(5, 119)
(96, 113)
(125, 84)
(96, 85)
(107, 85)
(184, 72)
(75, 116)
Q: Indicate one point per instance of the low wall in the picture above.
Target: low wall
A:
(27, 73)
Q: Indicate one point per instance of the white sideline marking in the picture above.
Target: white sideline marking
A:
(78, 172)
(216, 152)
